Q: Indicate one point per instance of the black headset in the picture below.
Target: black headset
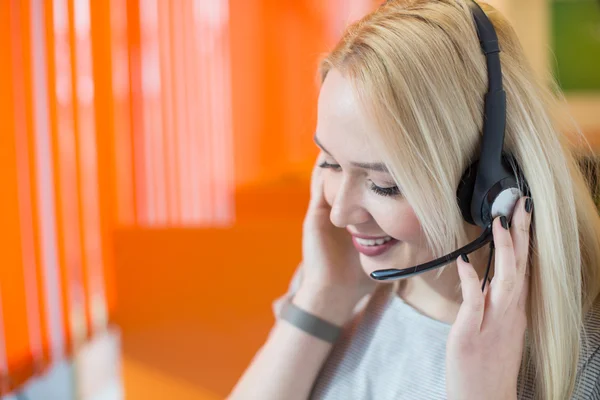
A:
(489, 187)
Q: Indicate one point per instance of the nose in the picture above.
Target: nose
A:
(347, 208)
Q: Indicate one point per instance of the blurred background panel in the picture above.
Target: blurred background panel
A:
(155, 158)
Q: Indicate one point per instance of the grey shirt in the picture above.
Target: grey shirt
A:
(390, 351)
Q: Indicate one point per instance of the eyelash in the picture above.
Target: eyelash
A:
(326, 165)
(391, 191)
(386, 192)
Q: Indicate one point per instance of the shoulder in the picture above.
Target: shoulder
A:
(590, 346)
(588, 369)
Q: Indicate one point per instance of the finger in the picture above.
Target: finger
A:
(524, 297)
(316, 173)
(317, 197)
(505, 272)
(486, 288)
(519, 231)
(470, 313)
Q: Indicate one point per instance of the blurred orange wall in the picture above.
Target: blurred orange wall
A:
(169, 173)
(56, 287)
(195, 301)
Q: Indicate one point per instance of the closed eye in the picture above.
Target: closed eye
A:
(387, 191)
(391, 191)
(335, 167)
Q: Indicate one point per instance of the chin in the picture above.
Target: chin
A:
(369, 264)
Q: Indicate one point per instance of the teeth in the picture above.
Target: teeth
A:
(373, 242)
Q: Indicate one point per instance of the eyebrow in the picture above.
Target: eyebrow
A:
(379, 167)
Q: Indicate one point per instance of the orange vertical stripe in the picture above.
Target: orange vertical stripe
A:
(88, 165)
(123, 146)
(247, 34)
(105, 139)
(12, 239)
(167, 105)
(137, 110)
(68, 180)
(178, 135)
(3, 358)
(57, 129)
(26, 174)
(48, 267)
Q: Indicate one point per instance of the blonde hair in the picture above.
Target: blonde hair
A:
(418, 70)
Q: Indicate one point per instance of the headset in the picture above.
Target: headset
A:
(489, 187)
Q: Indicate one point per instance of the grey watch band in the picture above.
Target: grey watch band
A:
(309, 323)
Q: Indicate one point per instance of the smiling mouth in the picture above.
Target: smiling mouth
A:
(373, 247)
(373, 242)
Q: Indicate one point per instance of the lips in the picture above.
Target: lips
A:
(373, 246)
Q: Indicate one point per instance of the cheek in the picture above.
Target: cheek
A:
(402, 224)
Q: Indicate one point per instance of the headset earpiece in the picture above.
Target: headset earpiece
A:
(464, 194)
(489, 187)
(497, 194)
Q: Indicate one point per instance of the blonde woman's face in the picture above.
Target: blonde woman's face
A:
(363, 196)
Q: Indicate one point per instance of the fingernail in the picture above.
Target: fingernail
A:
(504, 222)
(464, 257)
(528, 204)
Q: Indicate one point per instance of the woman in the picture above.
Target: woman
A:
(399, 122)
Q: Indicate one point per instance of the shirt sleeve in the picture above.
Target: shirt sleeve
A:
(589, 377)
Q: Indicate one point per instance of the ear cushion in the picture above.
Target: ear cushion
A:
(466, 185)
(464, 193)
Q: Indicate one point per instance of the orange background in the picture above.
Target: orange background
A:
(175, 181)
(172, 183)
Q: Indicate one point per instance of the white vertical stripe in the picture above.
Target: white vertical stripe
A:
(167, 110)
(215, 152)
(228, 214)
(190, 74)
(203, 149)
(137, 128)
(69, 204)
(212, 87)
(149, 89)
(216, 93)
(152, 89)
(45, 182)
(195, 115)
(222, 211)
(149, 165)
(184, 128)
(180, 110)
(88, 165)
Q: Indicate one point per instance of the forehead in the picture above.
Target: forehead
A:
(342, 126)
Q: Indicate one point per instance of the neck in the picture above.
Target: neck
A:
(440, 297)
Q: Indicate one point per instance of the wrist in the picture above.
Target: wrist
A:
(329, 303)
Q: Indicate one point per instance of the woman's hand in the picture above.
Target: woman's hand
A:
(485, 345)
(331, 263)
